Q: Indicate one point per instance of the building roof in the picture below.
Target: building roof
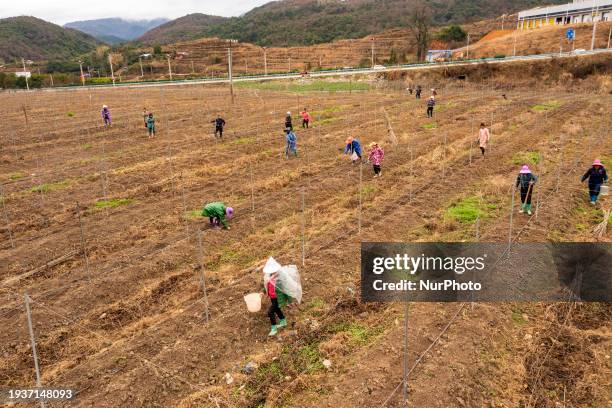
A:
(570, 8)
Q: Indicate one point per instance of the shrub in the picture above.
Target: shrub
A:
(452, 33)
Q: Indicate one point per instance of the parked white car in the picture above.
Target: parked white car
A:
(378, 67)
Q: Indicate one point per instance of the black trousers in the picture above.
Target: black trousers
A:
(376, 169)
(430, 111)
(305, 124)
(526, 195)
(274, 311)
(220, 130)
(482, 149)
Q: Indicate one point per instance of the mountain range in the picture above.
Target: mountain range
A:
(306, 22)
(278, 23)
(115, 30)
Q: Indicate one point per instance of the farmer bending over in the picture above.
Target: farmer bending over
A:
(217, 213)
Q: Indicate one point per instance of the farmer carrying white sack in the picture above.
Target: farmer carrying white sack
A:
(282, 285)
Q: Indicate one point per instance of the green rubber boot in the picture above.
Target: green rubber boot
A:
(273, 331)
(282, 323)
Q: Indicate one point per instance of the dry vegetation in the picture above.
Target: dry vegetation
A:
(129, 330)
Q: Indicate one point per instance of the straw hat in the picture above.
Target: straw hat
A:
(597, 162)
(373, 144)
(271, 266)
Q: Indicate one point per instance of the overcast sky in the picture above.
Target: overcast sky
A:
(64, 11)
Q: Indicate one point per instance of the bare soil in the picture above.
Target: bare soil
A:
(125, 325)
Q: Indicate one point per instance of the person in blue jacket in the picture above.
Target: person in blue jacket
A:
(597, 176)
(353, 146)
(291, 143)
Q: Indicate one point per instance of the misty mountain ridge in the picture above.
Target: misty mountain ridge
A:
(115, 30)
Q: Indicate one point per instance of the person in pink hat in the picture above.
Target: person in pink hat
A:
(525, 181)
(597, 176)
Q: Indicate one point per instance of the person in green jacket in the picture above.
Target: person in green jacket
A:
(217, 213)
(151, 125)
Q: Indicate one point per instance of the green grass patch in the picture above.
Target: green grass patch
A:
(242, 141)
(589, 217)
(368, 191)
(316, 306)
(16, 176)
(546, 106)
(112, 203)
(316, 303)
(71, 114)
(87, 146)
(308, 359)
(582, 227)
(532, 158)
(358, 333)
(310, 86)
(327, 112)
(429, 126)
(517, 317)
(469, 209)
(48, 187)
(270, 372)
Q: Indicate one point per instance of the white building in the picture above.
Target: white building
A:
(580, 11)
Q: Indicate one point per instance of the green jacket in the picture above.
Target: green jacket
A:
(215, 210)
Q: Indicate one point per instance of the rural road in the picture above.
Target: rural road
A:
(340, 72)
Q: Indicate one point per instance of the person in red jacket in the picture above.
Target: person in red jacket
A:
(270, 271)
(305, 118)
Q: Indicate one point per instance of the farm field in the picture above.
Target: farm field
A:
(100, 227)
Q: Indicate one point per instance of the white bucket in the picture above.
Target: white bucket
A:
(253, 301)
(604, 191)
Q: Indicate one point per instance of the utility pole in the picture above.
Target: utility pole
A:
(289, 63)
(372, 52)
(26, 74)
(82, 76)
(141, 70)
(169, 66)
(192, 67)
(609, 35)
(110, 62)
(594, 31)
(229, 64)
(265, 61)
(467, 51)
(51, 76)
